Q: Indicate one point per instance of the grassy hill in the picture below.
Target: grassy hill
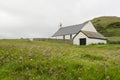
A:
(108, 25)
(38, 60)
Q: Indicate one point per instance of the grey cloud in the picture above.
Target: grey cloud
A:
(40, 18)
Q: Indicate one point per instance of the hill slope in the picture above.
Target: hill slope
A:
(108, 25)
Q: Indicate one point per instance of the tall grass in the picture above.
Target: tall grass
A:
(40, 60)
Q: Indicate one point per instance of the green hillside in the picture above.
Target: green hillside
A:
(109, 26)
(42, 60)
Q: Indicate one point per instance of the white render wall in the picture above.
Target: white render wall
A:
(67, 36)
(57, 37)
(88, 40)
(77, 38)
(89, 27)
(73, 35)
(95, 41)
(61, 37)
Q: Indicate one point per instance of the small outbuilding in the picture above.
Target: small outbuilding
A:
(80, 34)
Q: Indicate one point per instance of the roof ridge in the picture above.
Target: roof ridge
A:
(70, 26)
(76, 24)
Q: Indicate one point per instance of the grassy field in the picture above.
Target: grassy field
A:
(38, 60)
(114, 40)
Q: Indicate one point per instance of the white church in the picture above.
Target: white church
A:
(80, 34)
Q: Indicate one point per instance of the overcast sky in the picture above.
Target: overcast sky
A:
(40, 18)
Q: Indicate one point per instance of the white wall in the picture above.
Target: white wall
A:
(57, 37)
(67, 36)
(31, 39)
(89, 27)
(73, 35)
(76, 40)
(61, 37)
(88, 40)
(95, 41)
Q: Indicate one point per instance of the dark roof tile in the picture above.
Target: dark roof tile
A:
(69, 30)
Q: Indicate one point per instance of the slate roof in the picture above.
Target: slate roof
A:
(95, 35)
(73, 29)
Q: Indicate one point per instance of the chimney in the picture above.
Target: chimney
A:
(60, 25)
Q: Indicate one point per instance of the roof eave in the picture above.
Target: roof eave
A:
(97, 38)
(64, 34)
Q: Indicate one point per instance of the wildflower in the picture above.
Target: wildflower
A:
(8, 60)
(79, 78)
(50, 71)
(101, 65)
(107, 77)
(11, 58)
(56, 74)
(33, 78)
(107, 65)
(47, 53)
(7, 53)
(27, 68)
(106, 59)
(65, 67)
(97, 71)
(31, 59)
(65, 75)
(60, 67)
(12, 55)
(20, 59)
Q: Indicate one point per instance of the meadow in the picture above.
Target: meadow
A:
(42, 60)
